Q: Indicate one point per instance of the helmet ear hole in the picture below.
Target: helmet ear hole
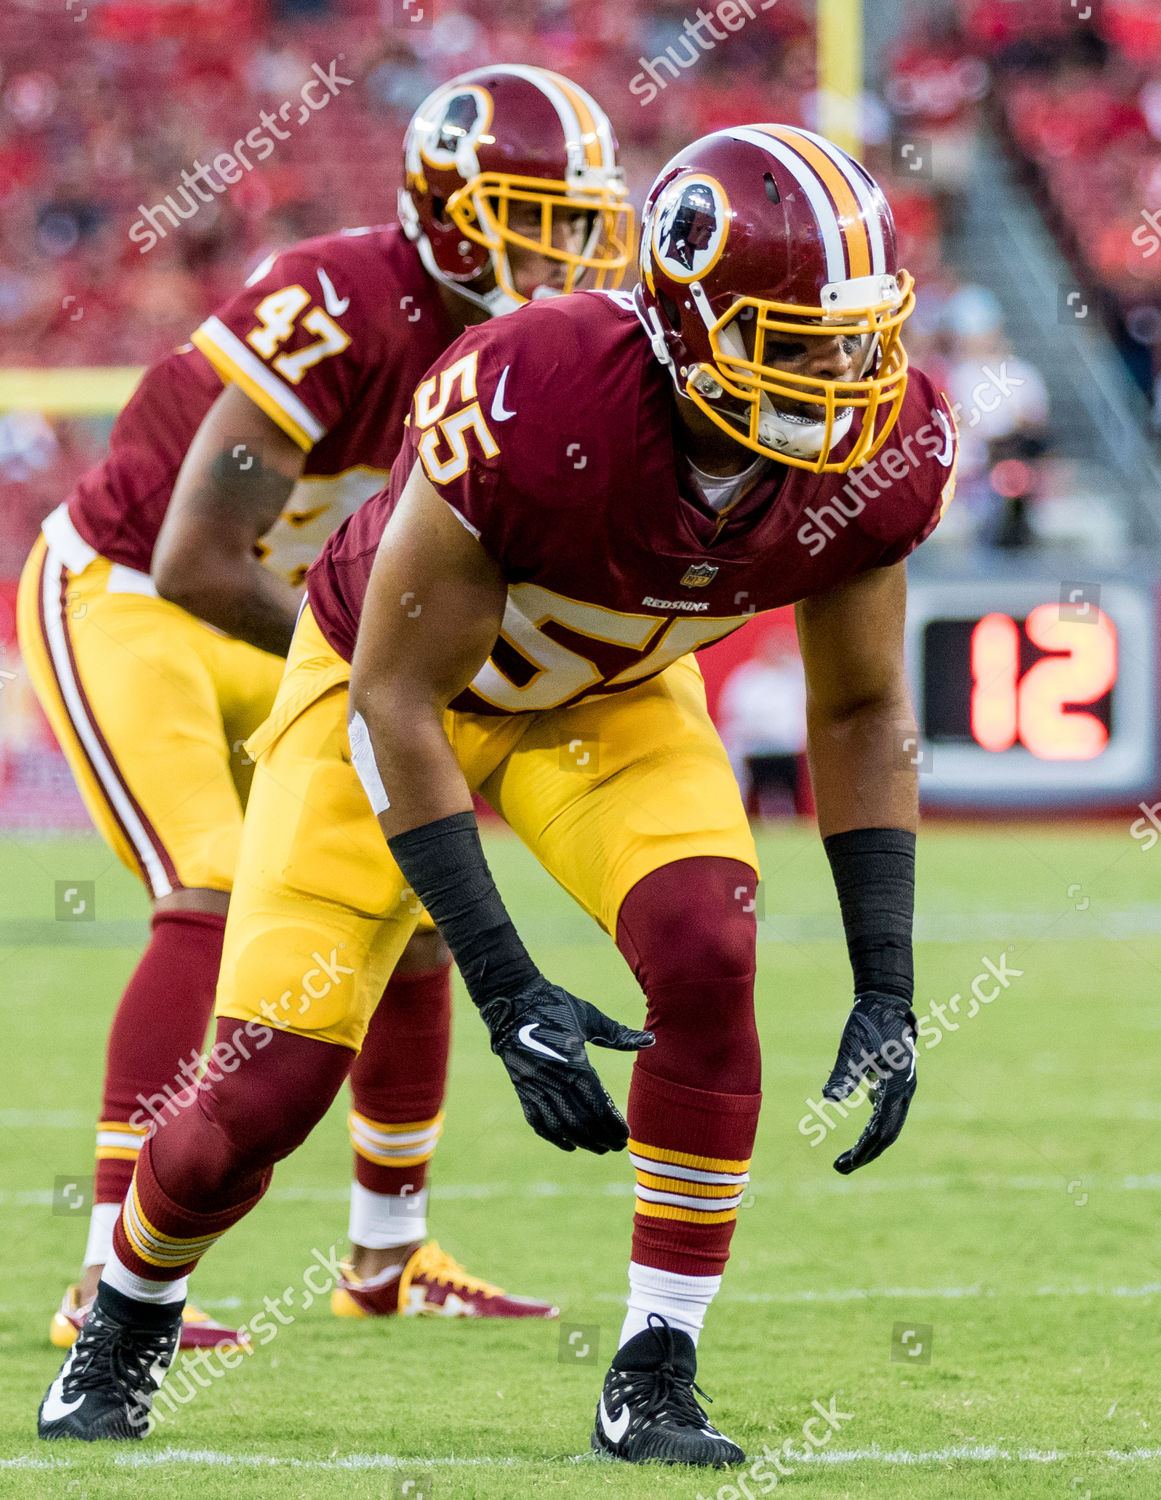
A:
(671, 311)
(437, 210)
(771, 188)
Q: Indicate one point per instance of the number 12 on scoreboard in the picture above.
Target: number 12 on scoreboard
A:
(1041, 706)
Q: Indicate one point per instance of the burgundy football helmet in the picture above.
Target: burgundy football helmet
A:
(504, 136)
(757, 239)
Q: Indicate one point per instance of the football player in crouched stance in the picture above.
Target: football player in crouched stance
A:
(237, 456)
(718, 412)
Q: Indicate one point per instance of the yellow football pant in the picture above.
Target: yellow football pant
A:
(151, 708)
(603, 793)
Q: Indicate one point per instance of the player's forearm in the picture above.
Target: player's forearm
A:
(227, 496)
(866, 793)
(403, 757)
(862, 766)
(239, 596)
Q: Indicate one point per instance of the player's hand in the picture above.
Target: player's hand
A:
(878, 1044)
(540, 1035)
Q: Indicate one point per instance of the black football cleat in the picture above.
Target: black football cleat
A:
(648, 1411)
(106, 1386)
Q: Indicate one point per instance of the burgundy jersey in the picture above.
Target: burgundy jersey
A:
(550, 433)
(330, 339)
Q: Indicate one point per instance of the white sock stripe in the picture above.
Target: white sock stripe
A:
(394, 1145)
(123, 1140)
(689, 1174)
(391, 1136)
(679, 1200)
(163, 1251)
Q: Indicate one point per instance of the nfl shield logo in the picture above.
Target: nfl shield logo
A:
(699, 575)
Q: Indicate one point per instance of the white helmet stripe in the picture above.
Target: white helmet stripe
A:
(862, 193)
(604, 126)
(816, 194)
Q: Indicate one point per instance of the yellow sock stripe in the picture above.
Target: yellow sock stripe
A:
(118, 1153)
(685, 1215)
(381, 1159)
(154, 1247)
(689, 1189)
(395, 1145)
(125, 1127)
(687, 1159)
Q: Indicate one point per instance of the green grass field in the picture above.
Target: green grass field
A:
(1017, 1216)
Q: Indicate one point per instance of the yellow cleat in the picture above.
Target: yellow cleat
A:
(430, 1285)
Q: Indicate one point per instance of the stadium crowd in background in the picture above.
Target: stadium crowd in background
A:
(86, 151)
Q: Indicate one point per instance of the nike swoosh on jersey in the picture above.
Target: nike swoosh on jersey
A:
(335, 304)
(614, 1431)
(529, 1041)
(498, 412)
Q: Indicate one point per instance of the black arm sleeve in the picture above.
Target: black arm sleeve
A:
(874, 874)
(443, 863)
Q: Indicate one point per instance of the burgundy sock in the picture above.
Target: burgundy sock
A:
(160, 1024)
(398, 1083)
(688, 932)
(207, 1165)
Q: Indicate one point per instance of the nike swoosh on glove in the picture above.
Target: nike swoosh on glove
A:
(539, 1034)
(878, 1045)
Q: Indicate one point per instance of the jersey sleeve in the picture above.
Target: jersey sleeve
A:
(292, 339)
(937, 437)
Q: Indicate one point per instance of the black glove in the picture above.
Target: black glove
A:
(878, 1044)
(539, 1034)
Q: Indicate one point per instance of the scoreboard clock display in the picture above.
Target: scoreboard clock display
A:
(1033, 693)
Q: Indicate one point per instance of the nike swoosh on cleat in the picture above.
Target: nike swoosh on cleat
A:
(335, 304)
(614, 1431)
(498, 412)
(529, 1041)
(55, 1407)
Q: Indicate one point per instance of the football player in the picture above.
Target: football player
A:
(238, 454)
(588, 493)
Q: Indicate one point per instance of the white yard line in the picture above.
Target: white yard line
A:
(960, 1453)
(47, 1119)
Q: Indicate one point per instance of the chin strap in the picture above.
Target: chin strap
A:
(651, 323)
(495, 303)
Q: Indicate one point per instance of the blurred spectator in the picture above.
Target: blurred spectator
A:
(937, 80)
(98, 121)
(1001, 403)
(1082, 107)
